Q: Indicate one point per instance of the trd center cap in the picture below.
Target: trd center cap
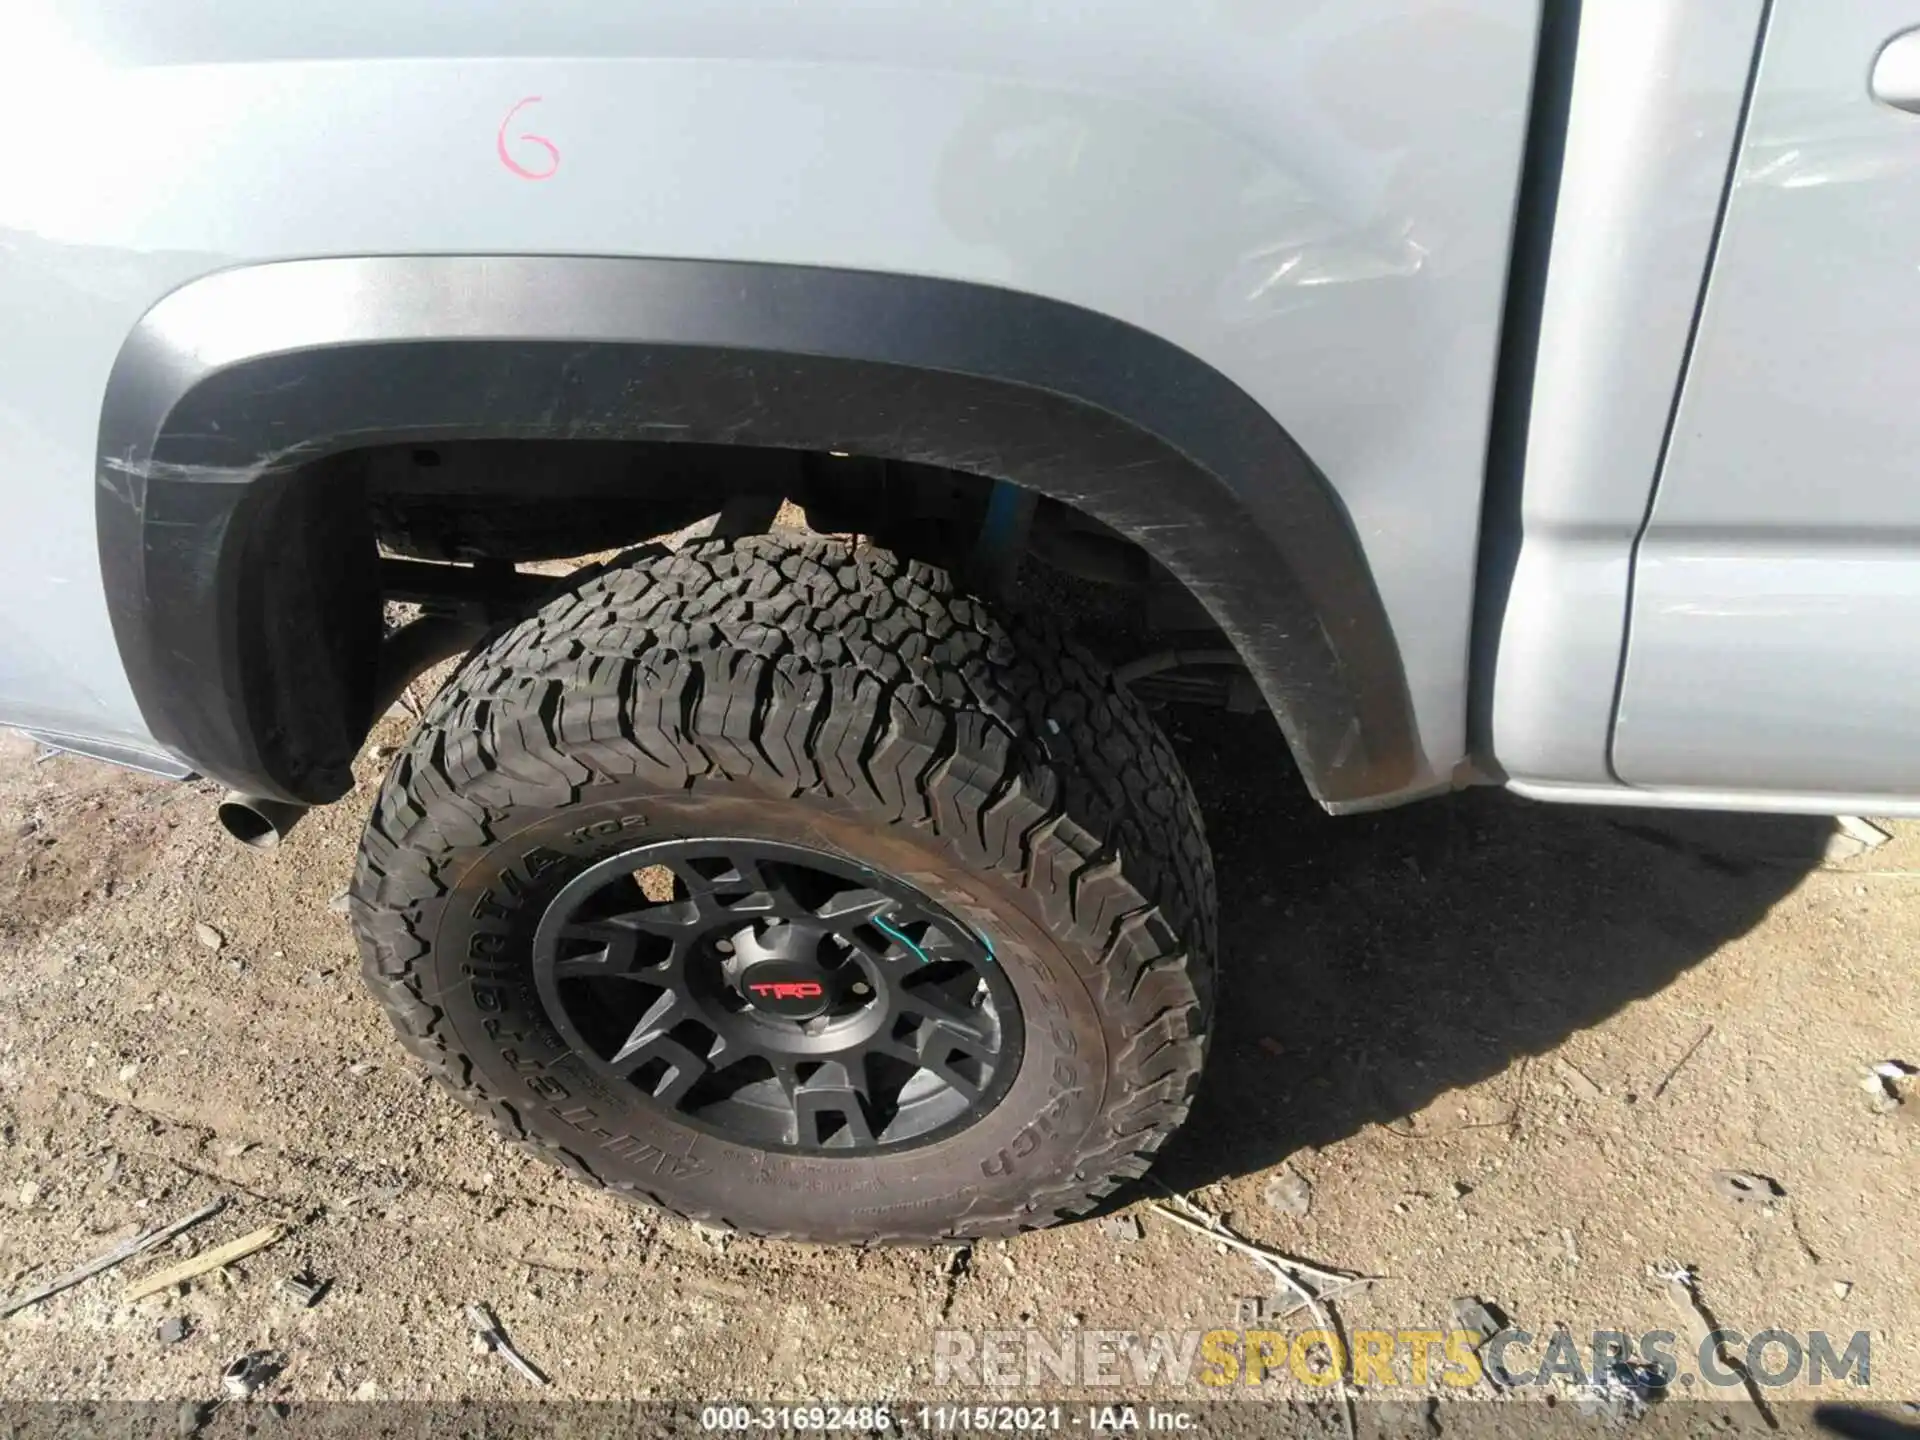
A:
(791, 989)
(780, 975)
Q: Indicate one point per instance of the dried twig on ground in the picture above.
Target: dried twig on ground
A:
(206, 1260)
(490, 1332)
(1681, 1063)
(1683, 1289)
(1194, 1218)
(119, 1255)
(1289, 1272)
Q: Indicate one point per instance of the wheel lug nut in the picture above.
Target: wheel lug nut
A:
(860, 987)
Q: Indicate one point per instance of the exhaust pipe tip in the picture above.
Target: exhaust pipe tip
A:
(257, 823)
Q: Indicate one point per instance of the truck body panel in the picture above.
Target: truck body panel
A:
(1674, 560)
(1315, 201)
(1775, 644)
(1657, 93)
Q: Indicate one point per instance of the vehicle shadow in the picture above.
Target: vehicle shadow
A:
(1369, 964)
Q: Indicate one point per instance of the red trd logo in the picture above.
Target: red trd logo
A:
(790, 989)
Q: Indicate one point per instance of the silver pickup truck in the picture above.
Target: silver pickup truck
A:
(1513, 392)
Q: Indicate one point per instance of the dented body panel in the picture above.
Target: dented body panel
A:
(1257, 268)
(1314, 201)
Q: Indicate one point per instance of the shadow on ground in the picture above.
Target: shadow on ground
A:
(1373, 963)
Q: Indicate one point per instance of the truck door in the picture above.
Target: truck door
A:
(1774, 639)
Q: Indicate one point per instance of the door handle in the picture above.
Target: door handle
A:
(1896, 72)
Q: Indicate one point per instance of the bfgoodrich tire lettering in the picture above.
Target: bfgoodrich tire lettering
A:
(804, 692)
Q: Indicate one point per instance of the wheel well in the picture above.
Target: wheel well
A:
(478, 509)
(494, 501)
(244, 412)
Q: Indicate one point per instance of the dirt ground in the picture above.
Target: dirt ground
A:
(1505, 1047)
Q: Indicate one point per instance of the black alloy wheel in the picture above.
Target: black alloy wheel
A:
(778, 996)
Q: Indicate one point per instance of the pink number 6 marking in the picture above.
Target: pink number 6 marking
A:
(500, 146)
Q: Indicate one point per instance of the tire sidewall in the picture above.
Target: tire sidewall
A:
(480, 934)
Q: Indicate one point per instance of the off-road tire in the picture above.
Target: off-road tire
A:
(806, 691)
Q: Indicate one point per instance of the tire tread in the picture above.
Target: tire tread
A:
(810, 667)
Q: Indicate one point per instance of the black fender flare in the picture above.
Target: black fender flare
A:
(246, 376)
